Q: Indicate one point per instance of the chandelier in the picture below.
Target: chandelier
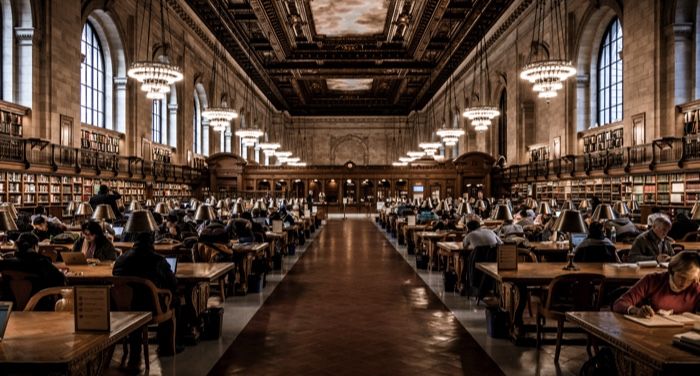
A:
(399, 164)
(450, 136)
(547, 71)
(155, 77)
(282, 156)
(219, 117)
(292, 160)
(269, 148)
(249, 137)
(297, 164)
(415, 154)
(430, 148)
(406, 159)
(481, 114)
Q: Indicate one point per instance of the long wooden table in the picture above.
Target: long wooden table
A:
(541, 274)
(160, 248)
(430, 238)
(45, 343)
(247, 252)
(193, 280)
(640, 350)
(454, 251)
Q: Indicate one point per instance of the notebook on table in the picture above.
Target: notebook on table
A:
(5, 310)
(74, 258)
(655, 321)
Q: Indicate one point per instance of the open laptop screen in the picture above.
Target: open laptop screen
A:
(172, 261)
(5, 309)
(577, 238)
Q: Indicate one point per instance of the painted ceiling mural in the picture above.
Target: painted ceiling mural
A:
(350, 57)
(349, 17)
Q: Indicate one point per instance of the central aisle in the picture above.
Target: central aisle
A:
(351, 305)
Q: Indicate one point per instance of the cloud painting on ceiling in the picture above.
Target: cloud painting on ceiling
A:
(349, 17)
(349, 84)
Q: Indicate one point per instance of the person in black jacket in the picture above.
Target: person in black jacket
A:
(27, 260)
(103, 196)
(682, 226)
(94, 243)
(142, 261)
(44, 229)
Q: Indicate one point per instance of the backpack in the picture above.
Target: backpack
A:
(602, 364)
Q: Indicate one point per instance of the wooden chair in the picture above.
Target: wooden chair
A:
(36, 298)
(623, 254)
(526, 255)
(569, 292)
(690, 237)
(20, 285)
(139, 294)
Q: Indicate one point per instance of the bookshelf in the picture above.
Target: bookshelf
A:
(98, 141)
(160, 154)
(162, 191)
(604, 140)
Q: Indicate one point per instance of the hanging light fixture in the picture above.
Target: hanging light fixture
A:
(155, 77)
(480, 113)
(399, 164)
(250, 136)
(430, 148)
(548, 71)
(415, 154)
(406, 159)
(269, 148)
(450, 136)
(219, 117)
(282, 156)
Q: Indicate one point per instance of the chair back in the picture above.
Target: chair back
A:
(575, 292)
(139, 294)
(20, 285)
(526, 255)
(51, 252)
(479, 254)
(596, 253)
(690, 237)
(55, 292)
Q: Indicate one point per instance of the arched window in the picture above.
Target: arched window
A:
(609, 96)
(197, 126)
(92, 79)
(157, 121)
(502, 125)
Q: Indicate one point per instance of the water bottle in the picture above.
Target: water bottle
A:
(613, 234)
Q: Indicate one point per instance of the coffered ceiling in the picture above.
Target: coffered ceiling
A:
(349, 57)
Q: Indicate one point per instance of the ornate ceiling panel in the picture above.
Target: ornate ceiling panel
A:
(341, 57)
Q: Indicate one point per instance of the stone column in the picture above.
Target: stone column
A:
(205, 137)
(682, 48)
(172, 125)
(119, 103)
(24, 37)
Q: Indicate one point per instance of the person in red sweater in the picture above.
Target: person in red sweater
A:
(677, 289)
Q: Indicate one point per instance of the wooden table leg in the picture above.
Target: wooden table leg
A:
(517, 329)
(458, 265)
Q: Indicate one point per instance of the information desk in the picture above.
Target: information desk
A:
(541, 274)
(639, 350)
(45, 343)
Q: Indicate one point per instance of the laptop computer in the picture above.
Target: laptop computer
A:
(5, 310)
(172, 261)
(118, 231)
(74, 258)
(577, 238)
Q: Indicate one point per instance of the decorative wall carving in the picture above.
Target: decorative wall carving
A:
(360, 154)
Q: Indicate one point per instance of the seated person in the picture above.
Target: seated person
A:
(478, 236)
(142, 261)
(426, 216)
(677, 289)
(94, 244)
(525, 218)
(653, 244)
(682, 226)
(256, 227)
(41, 211)
(243, 230)
(44, 229)
(173, 228)
(27, 260)
(624, 228)
(445, 223)
(656, 213)
(596, 247)
(509, 228)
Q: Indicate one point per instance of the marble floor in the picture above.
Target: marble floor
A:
(240, 315)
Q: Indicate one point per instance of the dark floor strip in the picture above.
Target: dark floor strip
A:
(352, 306)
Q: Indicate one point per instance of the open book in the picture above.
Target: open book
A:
(684, 318)
(655, 321)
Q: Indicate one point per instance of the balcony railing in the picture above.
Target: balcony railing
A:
(37, 152)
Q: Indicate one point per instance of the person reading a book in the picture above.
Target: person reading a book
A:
(677, 289)
(653, 244)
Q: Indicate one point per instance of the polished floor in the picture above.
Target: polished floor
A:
(352, 306)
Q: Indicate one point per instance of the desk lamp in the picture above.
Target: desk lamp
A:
(162, 208)
(11, 210)
(553, 203)
(72, 206)
(570, 221)
(134, 206)
(622, 209)
(140, 221)
(633, 205)
(531, 203)
(150, 203)
(603, 213)
(7, 223)
(84, 210)
(103, 213)
(544, 208)
(584, 205)
(205, 213)
(503, 213)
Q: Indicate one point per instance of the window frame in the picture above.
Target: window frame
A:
(609, 90)
(98, 97)
(157, 121)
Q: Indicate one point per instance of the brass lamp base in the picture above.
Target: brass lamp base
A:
(570, 266)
